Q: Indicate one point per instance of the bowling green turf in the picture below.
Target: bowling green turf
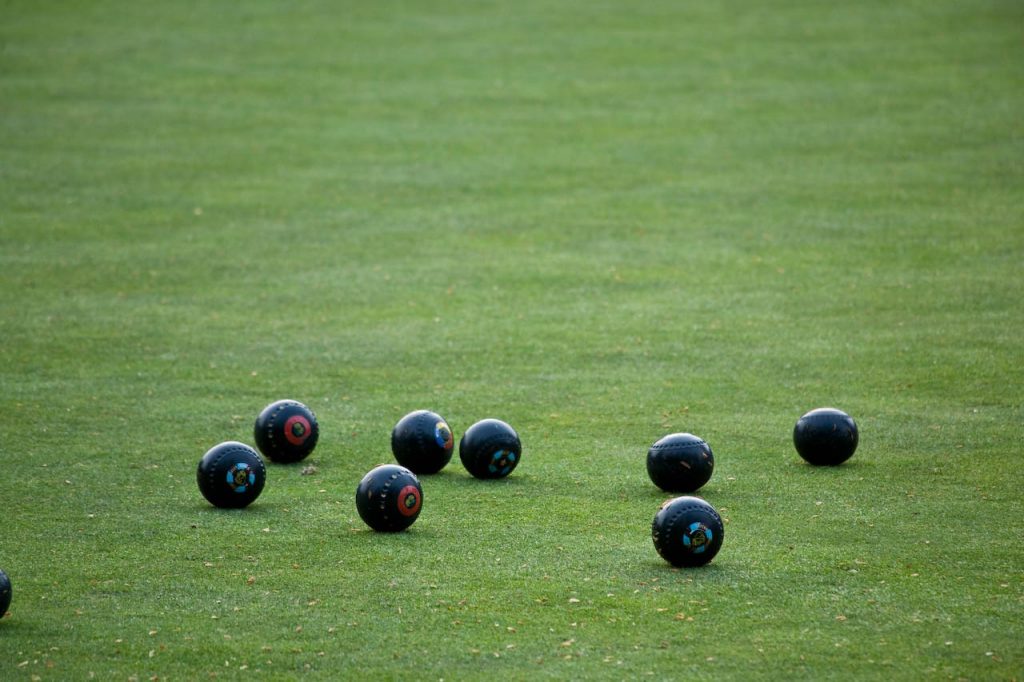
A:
(600, 221)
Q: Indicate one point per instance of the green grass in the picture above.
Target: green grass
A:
(599, 221)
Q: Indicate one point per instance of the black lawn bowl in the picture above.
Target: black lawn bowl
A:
(5, 593)
(231, 475)
(825, 436)
(389, 498)
(680, 463)
(422, 442)
(286, 431)
(490, 448)
(687, 531)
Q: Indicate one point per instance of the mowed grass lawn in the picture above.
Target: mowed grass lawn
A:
(599, 221)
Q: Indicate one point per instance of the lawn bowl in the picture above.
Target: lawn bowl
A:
(680, 463)
(687, 531)
(5, 593)
(286, 431)
(422, 442)
(490, 448)
(825, 436)
(231, 475)
(389, 498)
